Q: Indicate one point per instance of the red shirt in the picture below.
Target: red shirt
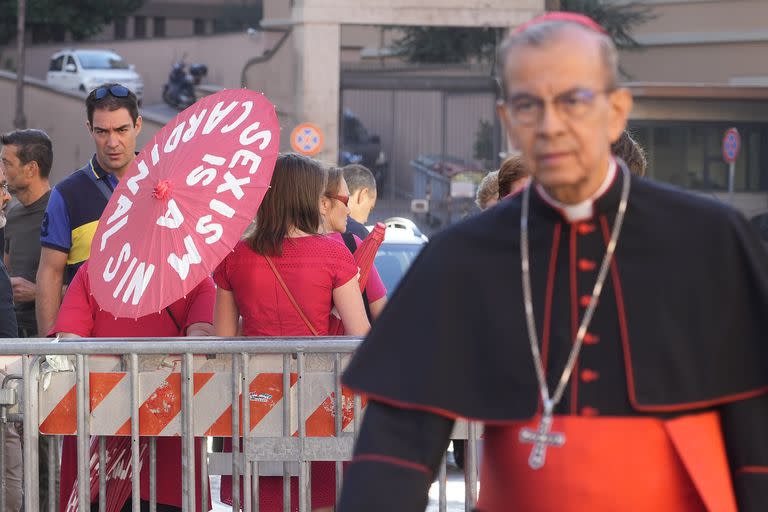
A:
(81, 315)
(311, 266)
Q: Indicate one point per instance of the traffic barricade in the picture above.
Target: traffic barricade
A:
(193, 387)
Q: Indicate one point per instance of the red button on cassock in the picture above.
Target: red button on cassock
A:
(586, 265)
(589, 411)
(585, 228)
(588, 375)
(591, 339)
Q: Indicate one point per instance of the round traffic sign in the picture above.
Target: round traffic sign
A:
(307, 139)
(731, 145)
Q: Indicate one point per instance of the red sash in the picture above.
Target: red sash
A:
(611, 463)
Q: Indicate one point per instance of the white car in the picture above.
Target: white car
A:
(402, 243)
(85, 70)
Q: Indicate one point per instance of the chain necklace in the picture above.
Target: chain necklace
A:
(541, 438)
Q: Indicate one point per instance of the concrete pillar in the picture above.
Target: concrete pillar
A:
(317, 81)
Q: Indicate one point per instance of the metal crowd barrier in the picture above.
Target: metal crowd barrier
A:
(301, 359)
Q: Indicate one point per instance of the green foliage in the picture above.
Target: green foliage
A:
(483, 145)
(617, 19)
(79, 18)
(442, 45)
(446, 44)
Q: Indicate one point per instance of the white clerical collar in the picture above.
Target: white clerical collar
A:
(583, 210)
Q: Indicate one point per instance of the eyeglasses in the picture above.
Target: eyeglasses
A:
(528, 109)
(343, 199)
(117, 91)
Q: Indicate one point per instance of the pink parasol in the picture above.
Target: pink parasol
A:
(184, 203)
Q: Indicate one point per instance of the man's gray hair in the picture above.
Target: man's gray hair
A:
(358, 177)
(540, 34)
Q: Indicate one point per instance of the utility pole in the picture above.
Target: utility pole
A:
(20, 121)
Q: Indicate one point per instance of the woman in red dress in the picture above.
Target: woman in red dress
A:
(318, 272)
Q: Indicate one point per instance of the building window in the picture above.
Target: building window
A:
(689, 154)
(159, 27)
(139, 27)
(121, 31)
(199, 29)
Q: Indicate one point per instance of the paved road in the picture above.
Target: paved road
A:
(160, 110)
(454, 493)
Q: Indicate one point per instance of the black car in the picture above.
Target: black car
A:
(360, 147)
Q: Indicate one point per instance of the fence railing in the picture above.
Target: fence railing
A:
(297, 411)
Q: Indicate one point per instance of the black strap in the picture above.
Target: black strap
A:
(351, 243)
(102, 183)
(173, 319)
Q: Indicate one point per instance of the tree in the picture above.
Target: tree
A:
(446, 44)
(617, 19)
(78, 18)
(463, 44)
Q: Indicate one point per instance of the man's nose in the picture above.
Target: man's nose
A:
(112, 139)
(551, 121)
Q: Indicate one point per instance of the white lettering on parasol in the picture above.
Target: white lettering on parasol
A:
(123, 206)
(247, 156)
(200, 173)
(181, 265)
(140, 275)
(134, 180)
(246, 139)
(247, 106)
(173, 218)
(217, 116)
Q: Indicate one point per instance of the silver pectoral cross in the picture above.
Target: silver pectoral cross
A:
(541, 438)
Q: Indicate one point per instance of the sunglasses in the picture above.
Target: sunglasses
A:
(118, 91)
(343, 199)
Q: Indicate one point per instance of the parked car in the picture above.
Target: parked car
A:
(402, 243)
(85, 70)
(360, 147)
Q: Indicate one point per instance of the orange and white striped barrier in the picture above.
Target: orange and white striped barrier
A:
(160, 398)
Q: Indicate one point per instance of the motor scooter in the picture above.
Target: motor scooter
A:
(179, 91)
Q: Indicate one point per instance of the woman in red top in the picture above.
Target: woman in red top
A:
(319, 273)
(334, 211)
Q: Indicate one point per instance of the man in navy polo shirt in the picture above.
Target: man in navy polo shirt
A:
(76, 203)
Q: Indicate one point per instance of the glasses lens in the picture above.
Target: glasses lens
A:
(117, 91)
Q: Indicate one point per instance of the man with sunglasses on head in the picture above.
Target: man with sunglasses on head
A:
(610, 332)
(77, 202)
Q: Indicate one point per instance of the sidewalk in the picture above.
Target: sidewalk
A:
(454, 493)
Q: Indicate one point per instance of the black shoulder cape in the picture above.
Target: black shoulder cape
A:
(694, 287)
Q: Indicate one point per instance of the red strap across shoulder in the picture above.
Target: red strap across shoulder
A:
(290, 296)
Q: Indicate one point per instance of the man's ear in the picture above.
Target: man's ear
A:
(32, 168)
(506, 122)
(621, 106)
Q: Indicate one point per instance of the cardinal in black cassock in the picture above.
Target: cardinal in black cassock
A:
(666, 408)
(668, 395)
